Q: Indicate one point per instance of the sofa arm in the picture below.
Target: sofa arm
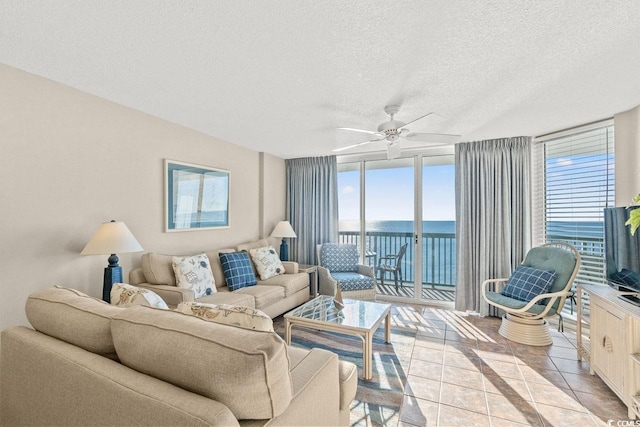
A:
(327, 285)
(172, 295)
(290, 267)
(136, 276)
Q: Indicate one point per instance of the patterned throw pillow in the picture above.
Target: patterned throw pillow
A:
(244, 317)
(125, 295)
(527, 283)
(194, 272)
(267, 262)
(237, 270)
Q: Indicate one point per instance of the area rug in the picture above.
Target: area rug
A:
(379, 399)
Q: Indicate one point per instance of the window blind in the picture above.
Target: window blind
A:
(573, 183)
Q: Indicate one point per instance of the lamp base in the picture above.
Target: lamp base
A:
(284, 251)
(112, 274)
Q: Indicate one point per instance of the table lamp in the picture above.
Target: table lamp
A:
(284, 230)
(110, 238)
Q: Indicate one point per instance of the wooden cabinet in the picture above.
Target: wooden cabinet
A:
(607, 345)
(612, 344)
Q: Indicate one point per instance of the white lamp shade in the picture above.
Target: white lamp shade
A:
(112, 237)
(283, 229)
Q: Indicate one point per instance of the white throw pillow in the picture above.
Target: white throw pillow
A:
(267, 262)
(125, 295)
(244, 317)
(194, 272)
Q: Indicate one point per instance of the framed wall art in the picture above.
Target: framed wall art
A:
(196, 197)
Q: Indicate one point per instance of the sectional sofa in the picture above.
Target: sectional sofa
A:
(86, 362)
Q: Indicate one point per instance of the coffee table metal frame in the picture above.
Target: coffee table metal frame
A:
(308, 315)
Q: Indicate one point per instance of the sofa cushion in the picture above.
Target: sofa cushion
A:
(248, 371)
(264, 296)
(158, 269)
(225, 296)
(347, 372)
(216, 267)
(339, 257)
(125, 295)
(194, 272)
(291, 283)
(238, 272)
(243, 317)
(74, 317)
(267, 262)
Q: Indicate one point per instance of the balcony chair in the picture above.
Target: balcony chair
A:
(392, 264)
(536, 289)
(338, 266)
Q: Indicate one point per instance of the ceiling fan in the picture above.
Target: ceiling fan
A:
(393, 130)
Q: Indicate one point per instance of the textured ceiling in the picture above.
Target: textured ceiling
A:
(280, 76)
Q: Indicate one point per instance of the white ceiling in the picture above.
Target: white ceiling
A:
(280, 76)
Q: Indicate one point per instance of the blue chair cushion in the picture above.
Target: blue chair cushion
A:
(552, 258)
(339, 257)
(237, 270)
(526, 283)
(353, 281)
(516, 304)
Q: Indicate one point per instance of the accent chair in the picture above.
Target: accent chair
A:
(536, 289)
(338, 266)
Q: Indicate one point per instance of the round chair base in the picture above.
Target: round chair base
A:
(525, 331)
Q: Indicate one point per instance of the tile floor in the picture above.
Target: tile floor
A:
(463, 373)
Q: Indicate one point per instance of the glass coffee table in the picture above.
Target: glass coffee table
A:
(357, 318)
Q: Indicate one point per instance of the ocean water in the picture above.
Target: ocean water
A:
(401, 226)
(439, 244)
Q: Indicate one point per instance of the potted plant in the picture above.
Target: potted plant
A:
(634, 216)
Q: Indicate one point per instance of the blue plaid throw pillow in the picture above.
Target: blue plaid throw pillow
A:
(527, 282)
(237, 270)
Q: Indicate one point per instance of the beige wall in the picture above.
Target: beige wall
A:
(627, 149)
(70, 161)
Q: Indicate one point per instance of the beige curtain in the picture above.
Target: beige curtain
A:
(493, 232)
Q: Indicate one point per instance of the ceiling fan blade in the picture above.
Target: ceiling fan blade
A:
(361, 131)
(357, 145)
(436, 138)
(415, 120)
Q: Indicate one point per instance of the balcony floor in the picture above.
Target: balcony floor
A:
(406, 290)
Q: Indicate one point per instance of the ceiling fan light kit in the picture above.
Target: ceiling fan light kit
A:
(394, 130)
(393, 151)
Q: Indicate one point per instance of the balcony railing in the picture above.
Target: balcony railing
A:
(438, 254)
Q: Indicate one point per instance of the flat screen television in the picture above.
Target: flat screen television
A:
(622, 250)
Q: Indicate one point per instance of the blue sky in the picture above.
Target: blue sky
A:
(390, 194)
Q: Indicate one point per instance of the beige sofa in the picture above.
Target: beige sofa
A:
(274, 296)
(89, 363)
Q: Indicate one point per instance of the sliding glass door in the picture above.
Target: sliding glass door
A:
(379, 203)
(390, 226)
(438, 228)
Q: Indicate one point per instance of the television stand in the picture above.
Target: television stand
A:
(612, 346)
